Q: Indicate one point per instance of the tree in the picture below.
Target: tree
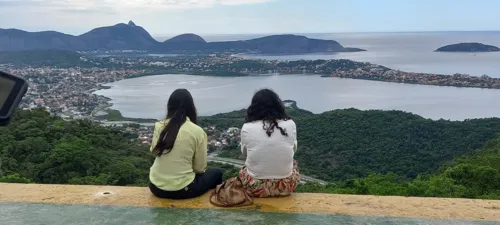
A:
(14, 178)
(477, 178)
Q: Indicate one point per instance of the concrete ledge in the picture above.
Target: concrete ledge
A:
(435, 208)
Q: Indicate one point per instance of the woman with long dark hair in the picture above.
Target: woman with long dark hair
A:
(269, 141)
(180, 147)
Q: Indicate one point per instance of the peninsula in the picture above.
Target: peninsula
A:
(273, 44)
(468, 47)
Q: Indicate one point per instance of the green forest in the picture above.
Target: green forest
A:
(359, 152)
(39, 58)
(40, 148)
(476, 175)
(345, 144)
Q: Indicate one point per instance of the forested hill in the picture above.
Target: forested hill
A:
(40, 58)
(350, 143)
(37, 147)
(476, 175)
(344, 144)
(348, 147)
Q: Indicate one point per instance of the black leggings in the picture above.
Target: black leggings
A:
(201, 184)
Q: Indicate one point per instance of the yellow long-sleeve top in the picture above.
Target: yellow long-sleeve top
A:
(176, 170)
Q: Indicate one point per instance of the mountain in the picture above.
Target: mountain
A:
(468, 47)
(18, 40)
(184, 42)
(118, 37)
(293, 44)
(186, 38)
(274, 44)
(132, 37)
(278, 44)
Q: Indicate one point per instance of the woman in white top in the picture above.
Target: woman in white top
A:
(269, 141)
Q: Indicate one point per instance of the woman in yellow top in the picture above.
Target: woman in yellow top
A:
(180, 146)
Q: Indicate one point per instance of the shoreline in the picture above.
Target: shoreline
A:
(116, 116)
(140, 120)
(358, 71)
(106, 109)
(215, 74)
(410, 83)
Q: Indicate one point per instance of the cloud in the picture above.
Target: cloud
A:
(78, 16)
(122, 5)
(239, 2)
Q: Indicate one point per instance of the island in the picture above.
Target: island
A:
(468, 47)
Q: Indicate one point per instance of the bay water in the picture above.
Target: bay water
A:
(146, 97)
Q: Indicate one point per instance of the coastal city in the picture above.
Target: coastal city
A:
(69, 91)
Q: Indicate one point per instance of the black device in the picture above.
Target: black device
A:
(12, 90)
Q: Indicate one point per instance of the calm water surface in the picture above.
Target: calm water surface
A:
(412, 52)
(146, 97)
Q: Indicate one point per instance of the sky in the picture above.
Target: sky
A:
(170, 17)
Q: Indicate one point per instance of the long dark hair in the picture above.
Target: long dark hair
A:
(180, 106)
(267, 106)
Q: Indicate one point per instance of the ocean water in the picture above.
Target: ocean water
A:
(146, 97)
(412, 52)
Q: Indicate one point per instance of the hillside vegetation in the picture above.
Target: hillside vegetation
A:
(39, 148)
(350, 143)
(46, 149)
(474, 176)
(345, 144)
(360, 152)
(40, 58)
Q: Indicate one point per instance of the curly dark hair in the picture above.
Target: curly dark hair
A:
(267, 106)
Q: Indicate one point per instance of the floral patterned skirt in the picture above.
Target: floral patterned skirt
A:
(263, 188)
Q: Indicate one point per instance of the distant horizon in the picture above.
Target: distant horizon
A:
(169, 35)
(166, 17)
(353, 32)
(166, 37)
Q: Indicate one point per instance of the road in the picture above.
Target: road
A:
(120, 123)
(240, 163)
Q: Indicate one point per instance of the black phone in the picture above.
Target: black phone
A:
(12, 90)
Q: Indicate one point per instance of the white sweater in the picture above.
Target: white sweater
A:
(269, 157)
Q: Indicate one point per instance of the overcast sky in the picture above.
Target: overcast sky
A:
(168, 17)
